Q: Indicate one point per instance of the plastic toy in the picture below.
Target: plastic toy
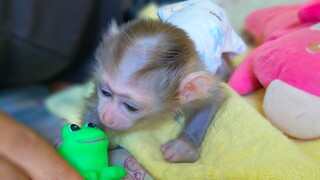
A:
(86, 150)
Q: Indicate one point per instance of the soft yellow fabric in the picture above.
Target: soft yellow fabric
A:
(70, 103)
(240, 144)
(149, 11)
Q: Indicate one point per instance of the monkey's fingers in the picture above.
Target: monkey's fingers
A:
(179, 150)
(32, 154)
(166, 146)
(167, 151)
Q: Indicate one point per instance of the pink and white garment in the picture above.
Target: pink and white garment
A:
(208, 26)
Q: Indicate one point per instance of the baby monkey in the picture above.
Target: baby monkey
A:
(148, 70)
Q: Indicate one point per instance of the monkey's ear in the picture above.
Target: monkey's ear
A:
(195, 86)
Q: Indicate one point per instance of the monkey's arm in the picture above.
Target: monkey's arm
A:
(198, 123)
(185, 148)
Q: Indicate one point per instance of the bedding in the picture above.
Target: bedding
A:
(27, 105)
(240, 143)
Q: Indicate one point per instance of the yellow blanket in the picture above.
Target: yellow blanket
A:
(240, 144)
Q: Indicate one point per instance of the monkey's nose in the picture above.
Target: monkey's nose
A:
(107, 119)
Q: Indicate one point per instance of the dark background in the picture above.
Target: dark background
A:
(54, 40)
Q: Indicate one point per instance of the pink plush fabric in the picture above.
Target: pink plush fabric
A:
(270, 23)
(290, 51)
(310, 12)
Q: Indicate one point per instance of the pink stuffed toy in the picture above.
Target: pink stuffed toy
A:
(289, 52)
(310, 13)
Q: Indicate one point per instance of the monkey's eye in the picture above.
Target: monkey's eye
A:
(106, 93)
(91, 125)
(74, 127)
(130, 107)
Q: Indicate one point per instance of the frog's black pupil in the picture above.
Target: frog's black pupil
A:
(74, 127)
(92, 125)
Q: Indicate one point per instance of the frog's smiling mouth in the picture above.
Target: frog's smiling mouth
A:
(91, 141)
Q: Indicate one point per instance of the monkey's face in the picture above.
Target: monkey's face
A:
(120, 105)
(139, 70)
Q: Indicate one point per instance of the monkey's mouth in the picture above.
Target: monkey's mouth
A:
(91, 141)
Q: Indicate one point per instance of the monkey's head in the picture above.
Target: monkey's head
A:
(146, 69)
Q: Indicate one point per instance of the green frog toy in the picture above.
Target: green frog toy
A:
(86, 150)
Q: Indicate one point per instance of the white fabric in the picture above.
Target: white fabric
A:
(208, 26)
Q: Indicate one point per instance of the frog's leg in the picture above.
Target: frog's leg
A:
(113, 173)
(90, 175)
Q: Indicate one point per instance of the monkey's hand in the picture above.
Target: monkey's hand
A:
(180, 150)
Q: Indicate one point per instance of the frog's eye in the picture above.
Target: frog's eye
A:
(92, 125)
(74, 127)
